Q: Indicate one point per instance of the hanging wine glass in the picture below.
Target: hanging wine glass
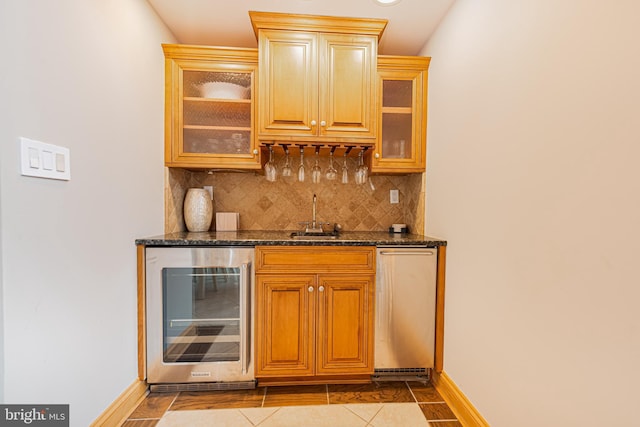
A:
(345, 169)
(301, 167)
(332, 172)
(362, 171)
(316, 172)
(286, 169)
(270, 171)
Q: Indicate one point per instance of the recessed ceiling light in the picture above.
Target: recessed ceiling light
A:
(386, 2)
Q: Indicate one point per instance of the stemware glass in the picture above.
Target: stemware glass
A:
(316, 172)
(362, 171)
(331, 173)
(270, 171)
(345, 169)
(301, 167)
(286, 169)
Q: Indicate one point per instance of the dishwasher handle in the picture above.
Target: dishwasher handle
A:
(408, 252)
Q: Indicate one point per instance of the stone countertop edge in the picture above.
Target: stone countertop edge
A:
(282, 238)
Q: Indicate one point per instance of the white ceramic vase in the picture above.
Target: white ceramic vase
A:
(198, 209)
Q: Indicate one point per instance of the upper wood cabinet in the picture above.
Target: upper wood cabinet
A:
(210, 107)
(317, 78)
(402, 115)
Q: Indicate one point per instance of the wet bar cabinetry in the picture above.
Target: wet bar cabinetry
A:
(317, 77)
(313, 81)
(210, 107)
(314, 314)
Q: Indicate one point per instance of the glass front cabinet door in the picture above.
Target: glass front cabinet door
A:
(210, 107)
(402, 89)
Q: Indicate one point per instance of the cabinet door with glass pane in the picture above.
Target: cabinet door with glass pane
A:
(210, 107)
(402, 87)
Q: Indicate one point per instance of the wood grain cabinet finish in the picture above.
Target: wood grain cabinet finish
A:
(402, 115)
(210, 107)
(317, 78)
(314, 320)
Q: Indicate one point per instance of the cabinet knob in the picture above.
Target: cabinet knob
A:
(377, 155)
(313, 123)
(310, 288)
(321, 288)
(323, 123)
(255, 151)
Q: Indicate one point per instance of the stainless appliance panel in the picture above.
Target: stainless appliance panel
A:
(198, 312)
(405, 308)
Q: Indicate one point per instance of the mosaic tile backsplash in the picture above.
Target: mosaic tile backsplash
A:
(283, 204)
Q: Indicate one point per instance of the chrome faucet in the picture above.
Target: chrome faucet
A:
(314, 226)
(313, 213)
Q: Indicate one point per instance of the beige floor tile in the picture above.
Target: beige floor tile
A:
(314, 416)
(205, 418)
(366, 411)
(258, 415)
(399, 414)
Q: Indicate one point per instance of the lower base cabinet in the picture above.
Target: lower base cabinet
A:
(314, 314)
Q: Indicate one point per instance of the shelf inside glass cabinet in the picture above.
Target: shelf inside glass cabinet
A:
(203, 139)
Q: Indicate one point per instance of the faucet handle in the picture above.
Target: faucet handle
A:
(322, 224)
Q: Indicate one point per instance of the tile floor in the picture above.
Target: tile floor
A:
(379, 404)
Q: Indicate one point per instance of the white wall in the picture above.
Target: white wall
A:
(533, 177)
(87, 75)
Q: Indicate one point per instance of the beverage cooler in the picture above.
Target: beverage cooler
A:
(198, 313)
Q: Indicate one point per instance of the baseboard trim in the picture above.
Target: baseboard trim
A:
(116, 414)
(466, 413)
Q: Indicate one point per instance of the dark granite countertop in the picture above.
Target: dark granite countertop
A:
(273, 238)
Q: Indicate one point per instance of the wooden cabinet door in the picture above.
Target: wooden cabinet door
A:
(285, 321)
(210, 107)
(317, 86)
(347, 86)
(345, 324)
(402, 121)
(288, 83)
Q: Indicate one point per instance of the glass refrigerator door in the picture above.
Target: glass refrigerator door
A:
(201, 314)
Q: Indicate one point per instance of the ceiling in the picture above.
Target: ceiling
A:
(227, 23)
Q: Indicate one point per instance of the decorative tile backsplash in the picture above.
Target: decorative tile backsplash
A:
(283, 204)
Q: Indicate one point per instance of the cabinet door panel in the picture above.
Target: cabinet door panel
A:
(402, 84)
(210, 107)
(284, 325)
(345, 322)
(347, 94)
(288, 81)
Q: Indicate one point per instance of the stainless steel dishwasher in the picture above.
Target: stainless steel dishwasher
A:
(405, 312)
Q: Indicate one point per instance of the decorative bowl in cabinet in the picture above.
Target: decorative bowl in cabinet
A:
(224, 90)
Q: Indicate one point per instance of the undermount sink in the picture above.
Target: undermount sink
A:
(303, 235)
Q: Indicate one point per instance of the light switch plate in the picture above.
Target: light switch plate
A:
(43, 160)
